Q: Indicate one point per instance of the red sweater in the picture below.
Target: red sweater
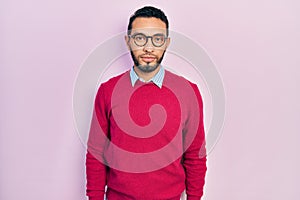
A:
(139, 164)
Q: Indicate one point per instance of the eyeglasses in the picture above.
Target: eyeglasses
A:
(141, 39)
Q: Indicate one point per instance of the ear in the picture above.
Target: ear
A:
(168, 42)
(127, 41)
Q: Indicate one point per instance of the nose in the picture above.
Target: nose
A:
(148, 46)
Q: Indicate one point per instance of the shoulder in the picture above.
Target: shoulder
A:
(110, 84)
(183, 84)
(175, 77)
(106, 88)
(112, 81)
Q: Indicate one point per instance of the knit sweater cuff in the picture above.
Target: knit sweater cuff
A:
(96, 198)
(189, 197)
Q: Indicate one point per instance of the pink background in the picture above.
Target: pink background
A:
(254, 44)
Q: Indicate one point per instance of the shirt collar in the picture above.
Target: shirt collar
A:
(157, 79)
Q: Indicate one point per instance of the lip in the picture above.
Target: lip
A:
(148, 58)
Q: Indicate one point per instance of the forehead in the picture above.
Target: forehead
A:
(149, 25)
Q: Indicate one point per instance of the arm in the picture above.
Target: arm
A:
(95, 167)
(194, 158)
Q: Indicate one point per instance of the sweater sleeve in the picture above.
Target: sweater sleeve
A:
(194, 157)
(95, 167)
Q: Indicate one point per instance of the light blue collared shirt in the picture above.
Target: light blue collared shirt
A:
(157, 79)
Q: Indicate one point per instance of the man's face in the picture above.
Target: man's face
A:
(147, 58)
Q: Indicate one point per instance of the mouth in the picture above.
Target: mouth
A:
(148, 59)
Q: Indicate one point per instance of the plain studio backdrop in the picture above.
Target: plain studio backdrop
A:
(254, 45)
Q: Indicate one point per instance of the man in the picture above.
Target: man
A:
(154, 115)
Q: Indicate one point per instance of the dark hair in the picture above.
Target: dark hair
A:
(148, 11)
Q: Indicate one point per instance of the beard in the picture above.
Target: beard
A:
(146, 68)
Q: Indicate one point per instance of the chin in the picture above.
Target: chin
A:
(147, 68)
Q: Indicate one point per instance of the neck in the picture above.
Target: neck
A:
(146, 75)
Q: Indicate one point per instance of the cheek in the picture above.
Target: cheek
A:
(135, 48)
(137, 53)
(160, 53)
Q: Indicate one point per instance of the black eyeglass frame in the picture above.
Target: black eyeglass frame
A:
(147, 37)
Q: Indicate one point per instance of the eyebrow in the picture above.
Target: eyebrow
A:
(147, 34)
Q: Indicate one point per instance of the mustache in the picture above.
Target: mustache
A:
(148, 55)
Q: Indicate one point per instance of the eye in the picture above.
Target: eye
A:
(158, 38)
(139, 38)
